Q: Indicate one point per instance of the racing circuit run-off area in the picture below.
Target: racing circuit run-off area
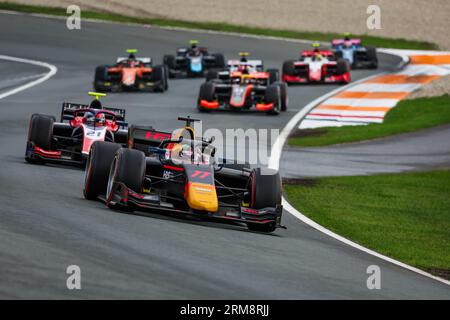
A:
(218, 166)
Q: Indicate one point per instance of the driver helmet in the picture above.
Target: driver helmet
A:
(243, 68)
(318, 57)
(316, 47)
(347, 36)
(100, 117)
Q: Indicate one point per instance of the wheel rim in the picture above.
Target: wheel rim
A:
(111, 177)
(87, 173)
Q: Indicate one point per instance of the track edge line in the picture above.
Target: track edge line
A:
(52, 71)
(274, 163)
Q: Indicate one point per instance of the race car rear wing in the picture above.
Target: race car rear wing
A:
(146, 60)
(338, 42)
(143, 137)
(147, 139)
(68, 109)
(257, 64)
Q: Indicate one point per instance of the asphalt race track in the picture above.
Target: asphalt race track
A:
(46, 225)
(422, 150)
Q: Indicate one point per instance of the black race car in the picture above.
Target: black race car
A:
(193, 61)
(178, 174)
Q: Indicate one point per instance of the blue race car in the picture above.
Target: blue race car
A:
(352, 50)
(193, 61)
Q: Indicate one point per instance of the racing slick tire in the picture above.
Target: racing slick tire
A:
(342, 67)
(211, 75)
(128, 167)
(338, 55)
(266, 191)
(219, 60)
(289, 68)
(40, 133)
(97, 168)
(41, 130)
(372, 57)
(283, 95)
(206, 93)
(101, 76)
(169, 61)
(273, 96)
(274, 75)
(159, 75)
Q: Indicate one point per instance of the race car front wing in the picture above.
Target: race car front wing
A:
(122, 197)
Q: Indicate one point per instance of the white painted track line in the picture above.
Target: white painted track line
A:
(52, 71)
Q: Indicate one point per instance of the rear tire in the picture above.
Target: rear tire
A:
(266, 193)
(274, 75)
(372, 56)
(211, 74)
(273, 96)
(338, 55)
(128, 167)
(101, 76)
(97, 168)
(220, 60)
(169, 61)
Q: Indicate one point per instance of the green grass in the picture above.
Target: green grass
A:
(368, 40)
(405, 216)
(407, 116)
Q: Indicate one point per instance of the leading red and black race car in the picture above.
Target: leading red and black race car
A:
(316, 66)
(69, 141)
(131, 74)
(178, 173)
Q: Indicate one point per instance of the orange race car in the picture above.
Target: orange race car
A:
(131, 74)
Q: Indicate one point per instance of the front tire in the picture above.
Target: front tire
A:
(206, 93)
(128, 167)
(97, 168)
(41, 130)
(273, 96)
(219, 60)
(159, 75)
(283, 95)
(266, 192)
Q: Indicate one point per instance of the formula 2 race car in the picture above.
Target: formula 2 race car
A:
(243, 86)
(355, 53)
(245, 66)
(316, 66)
(193, 61)
(178, 174)
(131, 74)
(69, 141)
